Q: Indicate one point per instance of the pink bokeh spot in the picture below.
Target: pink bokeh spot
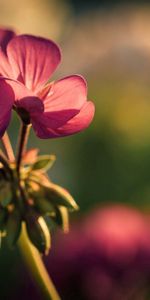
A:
(55, 109)
(106, 255)
(120, 231)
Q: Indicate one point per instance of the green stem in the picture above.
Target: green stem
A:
(35, 265)
(23, 138)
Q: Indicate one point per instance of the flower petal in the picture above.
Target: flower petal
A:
(31, 104)
(47, 126)
(80, 122)
(23, 98)
(6, 103)
(33, 59)
(19, 90)
(5, 36)
(5, 68)
(46, 123)
(4, 122)
(67, 93)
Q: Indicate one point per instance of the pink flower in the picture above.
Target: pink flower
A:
(55, 109)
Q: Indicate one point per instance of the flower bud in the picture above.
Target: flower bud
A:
(13, 227)
(44, 207)
(60, 196)
(62, 218)
(38, 231)
(5, 194)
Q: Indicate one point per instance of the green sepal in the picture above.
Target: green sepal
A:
(5, 194)
(60, 196)
(13, 227)
(41, 203)
(38, 232)
(43, 163)
(62, 218)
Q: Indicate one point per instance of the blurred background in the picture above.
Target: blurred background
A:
(107, 167)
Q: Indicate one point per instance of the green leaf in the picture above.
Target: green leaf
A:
(5, 194)
(38, 232)
(13, 227)
(60, 196)
(43, 162)
(62, 218)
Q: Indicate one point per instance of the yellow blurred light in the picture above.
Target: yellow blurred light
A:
(41, 17)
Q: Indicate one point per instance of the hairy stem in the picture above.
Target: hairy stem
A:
(35, 265)
(7, 147)
(23, 138)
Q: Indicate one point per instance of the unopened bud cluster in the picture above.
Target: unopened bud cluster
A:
(33, 200)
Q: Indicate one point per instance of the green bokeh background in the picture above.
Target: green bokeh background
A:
(110, 161)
